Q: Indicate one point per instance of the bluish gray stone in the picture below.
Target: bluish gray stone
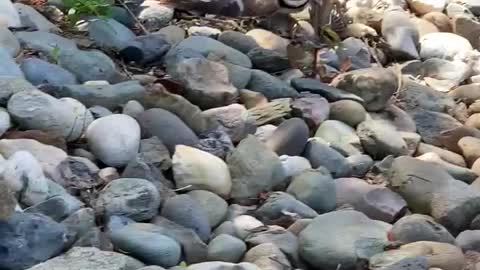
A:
(206, 46)
(110, 96)
(44, 42)
(321, 155)
(316, 189)
(270, 86)
(280, 202)
(8, 66)
(27, 239)
(145, 49)
(58, 208)
(184, 210)
(88, 65)
(109, 33)
(39, 72)
(226, 248)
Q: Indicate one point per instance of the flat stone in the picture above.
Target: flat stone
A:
(331, 93)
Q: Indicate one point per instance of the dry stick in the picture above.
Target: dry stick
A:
(145, 31)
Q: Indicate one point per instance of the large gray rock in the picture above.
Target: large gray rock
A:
(194, 249)
(88, 65)
(215, 206)
(428, 189)
(280, 202)
(114, 139)
(207, 83)
(289, 138)
(321, 155)
(337, 238)
(237, 40)
(418, 227)
(431, 125)
(401, 34)
(134, 198)
(348, 112)
(9, 67)
(332, 94)
(447, 46)
(46, 43)
(381, 140)
(58, 207)
(110, 96)
(37, 110)
(340, 136)
(316, 189)
(109, 33)
(382, 204)
(39, 72)
(261, 255)
(236, 120)
(9, 42)
(28, 239)
(270, 86)
(250, 161)
(468, 240)
(90, 258)
(268, 60)
(168, 127)
(226, 248)
(374, 85)
(149, 247)
(185, 211)
(30, 17)
(206, 46)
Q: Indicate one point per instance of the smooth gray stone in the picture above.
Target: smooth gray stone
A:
(331, 93)
(39, 72)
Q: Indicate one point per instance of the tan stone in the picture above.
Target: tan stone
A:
(440, 20)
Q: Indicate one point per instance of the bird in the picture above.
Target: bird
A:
(238, 8)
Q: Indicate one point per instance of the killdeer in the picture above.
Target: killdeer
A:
(236, 8)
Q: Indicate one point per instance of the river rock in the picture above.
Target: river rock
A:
(430, 126)
(380, 140)
(194, 249)
(88, 65)
(80, 223)
(32, 18)
(280, 202)
(147, 49)
(114, 139)
(313, 109)
(289, 138)
(421, 7)
(361, 164)
(185, 211)
(238, 40)
(262, 255)
(110, 96)
(58, 207)
(9, 67)
(41, 238)
(215, 206)
(434, 45)
(347, 111)
(39, 72)
(468, 240)
(450, 202)
(166, 126)
(419, 227)
(214, 92)
(135, 198)
(325, 90)
(340, 136)
(201, 170)
(444, 154)
(9, 42)
(9, 16)
(470, 147)
(316, 189)
(66, 116)
(222, 266)
(48, 43)
(268, 60)
(235, 118)
(205, 46)
(109, 34)
(294, 165)
(374, 85)
(250, 161)
(270, 86)
(320, 154)
(90, 258)
(325, 250)
(150, 247)
(400, 33)
(226, 248)
(269, 40)
(460, 173)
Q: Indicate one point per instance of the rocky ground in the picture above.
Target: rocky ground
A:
(172, 141)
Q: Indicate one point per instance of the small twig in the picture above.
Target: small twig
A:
(145, 31)
(182, 188)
